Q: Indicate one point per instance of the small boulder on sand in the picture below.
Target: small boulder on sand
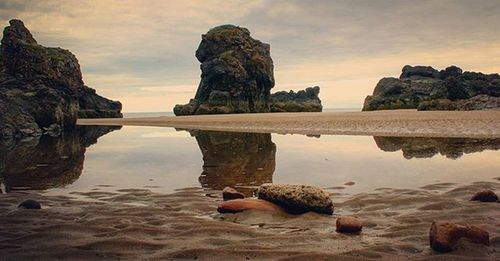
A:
(485, 196)
(229, 193)
(297, 199)
(348, 224)
(444, 236)
(239, 205)
(30, 204)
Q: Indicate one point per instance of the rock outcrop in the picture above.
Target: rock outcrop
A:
(237, 77)
(297, 199)
(236, 74)
(302, 101)
(424, 88)
(41, 88)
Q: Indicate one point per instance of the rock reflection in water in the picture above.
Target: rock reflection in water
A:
(453, 148)
(48, 162)
(236, 159)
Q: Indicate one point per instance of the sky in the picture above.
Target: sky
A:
(142, 52)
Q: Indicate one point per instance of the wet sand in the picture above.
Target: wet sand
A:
(139, 224)
(402, 123)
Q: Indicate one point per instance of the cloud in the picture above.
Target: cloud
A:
(125, 48)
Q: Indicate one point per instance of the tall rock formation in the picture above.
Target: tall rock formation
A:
(237, 77)
(424, 88)
(41, 88)
(236, 73)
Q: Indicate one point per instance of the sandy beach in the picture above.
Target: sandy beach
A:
(139, 224)
(402, 123)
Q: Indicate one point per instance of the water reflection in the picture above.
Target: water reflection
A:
(47, 162)
(453, 148)
(235, 159)
(163, 160)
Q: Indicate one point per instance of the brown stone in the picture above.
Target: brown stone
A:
(229, 193)
(485, 196)
(444, 236)
(348, 224)
(239, 205)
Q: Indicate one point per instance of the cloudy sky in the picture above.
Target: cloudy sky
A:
(142, 52)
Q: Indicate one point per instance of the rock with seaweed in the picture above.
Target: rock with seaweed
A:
(425, 88)
(236, 73)
(41, 88)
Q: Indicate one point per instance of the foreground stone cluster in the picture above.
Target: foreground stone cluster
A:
(237, 77)
(41, 88)
(425, 88)
(444, 236)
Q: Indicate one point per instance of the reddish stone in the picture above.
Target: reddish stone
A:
(229, 193)
(444, 236)
(239, 205)
(485, 196)
(348, 224)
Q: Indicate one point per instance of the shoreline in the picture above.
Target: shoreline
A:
(398, 123)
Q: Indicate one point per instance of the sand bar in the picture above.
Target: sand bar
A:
(404, 123)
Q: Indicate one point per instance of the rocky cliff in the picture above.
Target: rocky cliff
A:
(237, 77)
(41, 88)
(302, 101)
(424, 88)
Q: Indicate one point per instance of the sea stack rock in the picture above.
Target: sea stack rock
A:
(302, 101)
(41, 88)
(236, 73)
(237, 77)
(425, 88)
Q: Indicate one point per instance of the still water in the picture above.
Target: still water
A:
(166, 159)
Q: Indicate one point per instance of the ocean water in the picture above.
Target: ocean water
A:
(165, 159)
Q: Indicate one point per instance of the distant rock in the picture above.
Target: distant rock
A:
(237, 77)
(348, 224)
(229, 193)
(424, 88)
(485, 196)
(42, 88)
(297, 199)
(239, 205)
(302, 101)
(444, 236)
